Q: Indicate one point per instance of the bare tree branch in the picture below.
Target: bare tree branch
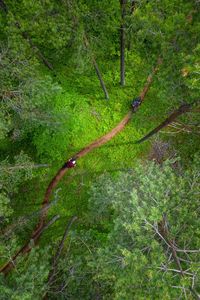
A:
(58, 253)
(28, 246)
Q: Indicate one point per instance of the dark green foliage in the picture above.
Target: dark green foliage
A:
(47, 116)
(26, 96)
(28, 280)
(122, 256)
(134, 253)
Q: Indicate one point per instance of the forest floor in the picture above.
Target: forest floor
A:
(85, 116)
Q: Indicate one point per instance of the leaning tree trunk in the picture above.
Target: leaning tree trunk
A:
(103, 86)
(69, 6)
(55, 260)
(181, 110)
(122, 42)
(100, 78)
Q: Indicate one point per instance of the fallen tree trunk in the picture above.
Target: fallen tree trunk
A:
(181, 110)
(61, 172)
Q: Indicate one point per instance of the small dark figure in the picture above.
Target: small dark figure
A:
(71, 163)
(136, 103)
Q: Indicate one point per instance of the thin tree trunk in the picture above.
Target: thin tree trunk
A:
(100, 78)
(132, 6)
(122, 42)
(17, 167)
(132, 9)
(35, 48)
(69, 7)
(181, 110)
(103, 86)
(27, 38)
(58, 253)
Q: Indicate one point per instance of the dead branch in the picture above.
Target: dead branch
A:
(164, 234)
(27, 247)
(23, 220)
(58, 253)
(53, 220)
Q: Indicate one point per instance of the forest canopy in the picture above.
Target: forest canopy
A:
(99, 149)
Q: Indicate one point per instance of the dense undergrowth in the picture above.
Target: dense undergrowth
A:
(47, 116)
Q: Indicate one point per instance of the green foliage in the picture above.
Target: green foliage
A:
(5, 210)
(191, 71)
(26, 96)
(119, 255)
(169, 29)
(28, 280)
(134, 254)
(11, 175)
(45, 23)
(46, 117)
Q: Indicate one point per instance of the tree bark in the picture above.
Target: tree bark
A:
(69, 6)
(58, 253)
(122, 42)
(132, 9)
(181, 110)
(103, 86)
(35, 48)
(100, 78)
